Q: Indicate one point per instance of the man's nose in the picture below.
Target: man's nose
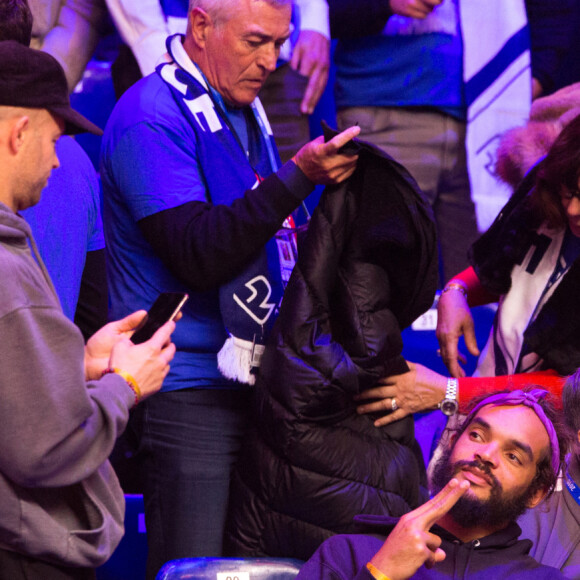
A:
(268, 58)
(488, 454)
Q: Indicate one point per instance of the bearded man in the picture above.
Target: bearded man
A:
(503, 460)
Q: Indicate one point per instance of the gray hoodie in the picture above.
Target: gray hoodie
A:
(60, 500)
(554, 528)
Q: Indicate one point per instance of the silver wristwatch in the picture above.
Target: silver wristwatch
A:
(449, 404)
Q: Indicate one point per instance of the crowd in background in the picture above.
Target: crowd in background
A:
(266, 426)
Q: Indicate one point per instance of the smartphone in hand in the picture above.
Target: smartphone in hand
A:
(165, 308)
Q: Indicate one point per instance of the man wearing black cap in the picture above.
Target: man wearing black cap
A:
(66, 224)
(63, 404)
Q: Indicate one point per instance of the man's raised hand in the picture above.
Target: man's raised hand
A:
(324, 163)
(411, 544)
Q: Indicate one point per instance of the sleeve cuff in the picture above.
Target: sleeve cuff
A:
(314, 16)
(364, 574)
(295, 181)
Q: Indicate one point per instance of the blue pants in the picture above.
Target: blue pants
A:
(188, 442)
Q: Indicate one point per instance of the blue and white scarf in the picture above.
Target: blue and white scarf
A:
(248, 303)
(533, 283)
(498, 85)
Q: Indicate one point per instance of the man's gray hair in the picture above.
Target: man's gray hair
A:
(220, 9)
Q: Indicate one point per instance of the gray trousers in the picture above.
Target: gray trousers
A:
(281, 96)
(431, 146)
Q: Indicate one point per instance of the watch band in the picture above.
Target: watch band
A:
(449, 405)
(452, 386)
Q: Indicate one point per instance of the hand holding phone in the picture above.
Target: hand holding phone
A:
(165, 308)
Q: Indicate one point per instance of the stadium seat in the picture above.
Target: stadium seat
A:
(230, 569)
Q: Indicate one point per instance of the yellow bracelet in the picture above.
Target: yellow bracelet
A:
(376, 573)
(128, 379)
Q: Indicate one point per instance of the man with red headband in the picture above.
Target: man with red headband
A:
(504, 459)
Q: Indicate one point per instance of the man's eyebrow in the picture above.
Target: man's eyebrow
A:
(481, 422)
(524, 447)
(263, 36)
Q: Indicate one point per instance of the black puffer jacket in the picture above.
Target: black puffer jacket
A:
(368, 268)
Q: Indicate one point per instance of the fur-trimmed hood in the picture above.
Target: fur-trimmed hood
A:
(520, 148)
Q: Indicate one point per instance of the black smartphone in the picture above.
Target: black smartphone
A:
(165, 308)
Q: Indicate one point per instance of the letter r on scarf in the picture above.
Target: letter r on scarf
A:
(265, 305)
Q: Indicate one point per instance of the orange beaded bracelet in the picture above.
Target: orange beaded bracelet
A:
(128, 379)
(376, 573)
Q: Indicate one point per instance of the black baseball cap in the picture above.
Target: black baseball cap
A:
(34, 79)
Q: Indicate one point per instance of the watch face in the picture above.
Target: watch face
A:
(449, 407)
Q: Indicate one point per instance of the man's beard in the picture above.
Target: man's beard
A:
(469, 511)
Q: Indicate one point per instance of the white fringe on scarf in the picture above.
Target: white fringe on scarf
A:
(238, 357)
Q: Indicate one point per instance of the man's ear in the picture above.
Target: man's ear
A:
(537, 498)
(18, 132)
(199, 23)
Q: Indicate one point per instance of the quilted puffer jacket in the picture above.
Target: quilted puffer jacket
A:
(367, 269)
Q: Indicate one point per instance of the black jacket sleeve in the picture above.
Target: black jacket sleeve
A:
(552, 24)
(205, 245)
(350, 19)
